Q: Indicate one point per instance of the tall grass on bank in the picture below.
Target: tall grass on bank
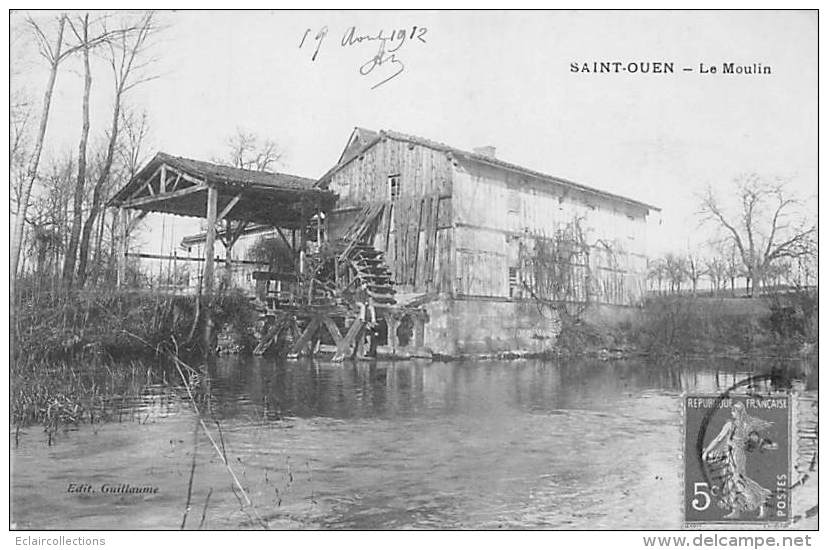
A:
(683, 325)
(53, 394)
(781, 325)
(117, 324)
(75, 355)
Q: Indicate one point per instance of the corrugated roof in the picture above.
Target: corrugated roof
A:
(476, 157)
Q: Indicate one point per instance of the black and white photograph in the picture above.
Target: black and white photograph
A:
(391, 270)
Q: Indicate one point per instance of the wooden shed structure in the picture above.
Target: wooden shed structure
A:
(224, 196)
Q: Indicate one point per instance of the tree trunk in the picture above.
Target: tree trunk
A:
(96, 194)
(96, 262)
(111, 263)
(77, 218)
(23, 205)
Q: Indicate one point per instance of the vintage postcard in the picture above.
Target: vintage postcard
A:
(400, 269)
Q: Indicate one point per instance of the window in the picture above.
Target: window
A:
(393, 187)
(514, 283)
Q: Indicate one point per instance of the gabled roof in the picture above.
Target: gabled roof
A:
(181, 186)
(359, 138)
(463, 155)
(215, 174)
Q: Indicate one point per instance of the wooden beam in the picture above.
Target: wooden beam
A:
(332, 328)
(148, 256)
(226, 210)
(142, 201)
(134, 221)
(187, 177)
(210, 240)
(235, 235)
(292, 247)
(350, 338)
(306, 336)
(175, 183)
(141, 190)
(162, 186)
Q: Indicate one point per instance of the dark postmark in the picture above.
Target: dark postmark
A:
(737, 449)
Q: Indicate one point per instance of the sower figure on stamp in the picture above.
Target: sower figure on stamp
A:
(727, 454)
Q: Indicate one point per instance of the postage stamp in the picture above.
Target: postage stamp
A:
(737, 459)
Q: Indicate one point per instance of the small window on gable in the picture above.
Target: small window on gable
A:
(394, 187)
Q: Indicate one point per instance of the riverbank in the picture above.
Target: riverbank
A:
(64, 345)
(75, 354)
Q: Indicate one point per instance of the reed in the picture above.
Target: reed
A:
(77, 355)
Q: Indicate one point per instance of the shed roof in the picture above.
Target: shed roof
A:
(268, 198)
(217, 174)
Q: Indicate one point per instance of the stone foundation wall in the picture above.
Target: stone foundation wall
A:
(474, 326)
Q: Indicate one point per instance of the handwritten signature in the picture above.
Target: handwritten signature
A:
(387, 47)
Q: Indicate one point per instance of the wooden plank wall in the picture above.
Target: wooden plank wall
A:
(423, 171)
(415, 232)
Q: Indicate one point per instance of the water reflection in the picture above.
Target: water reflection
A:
(486, 444)
(399, 389)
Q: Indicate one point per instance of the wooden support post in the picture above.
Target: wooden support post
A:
(163, 185)
(302, 237)
(122, 247)
(350, 338)
(210, 239)
(229, 241)
(209, 260)
(332, 329)
(393, 323)
(419, 332)
(306, 336)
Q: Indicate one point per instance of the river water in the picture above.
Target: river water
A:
(388, 445)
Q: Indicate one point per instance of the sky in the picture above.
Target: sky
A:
(485, 78)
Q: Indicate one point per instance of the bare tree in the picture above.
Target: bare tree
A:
(54, 54)
(716, 270)
(657, 272)
(733, 267)
(134, 133)
(251, 152)
(693, 268)
(766, 225)
(20, 118)
(47, 217)
(778, 272)
(128, 71)
(54, 51)
(82, 36)
(676, 268)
